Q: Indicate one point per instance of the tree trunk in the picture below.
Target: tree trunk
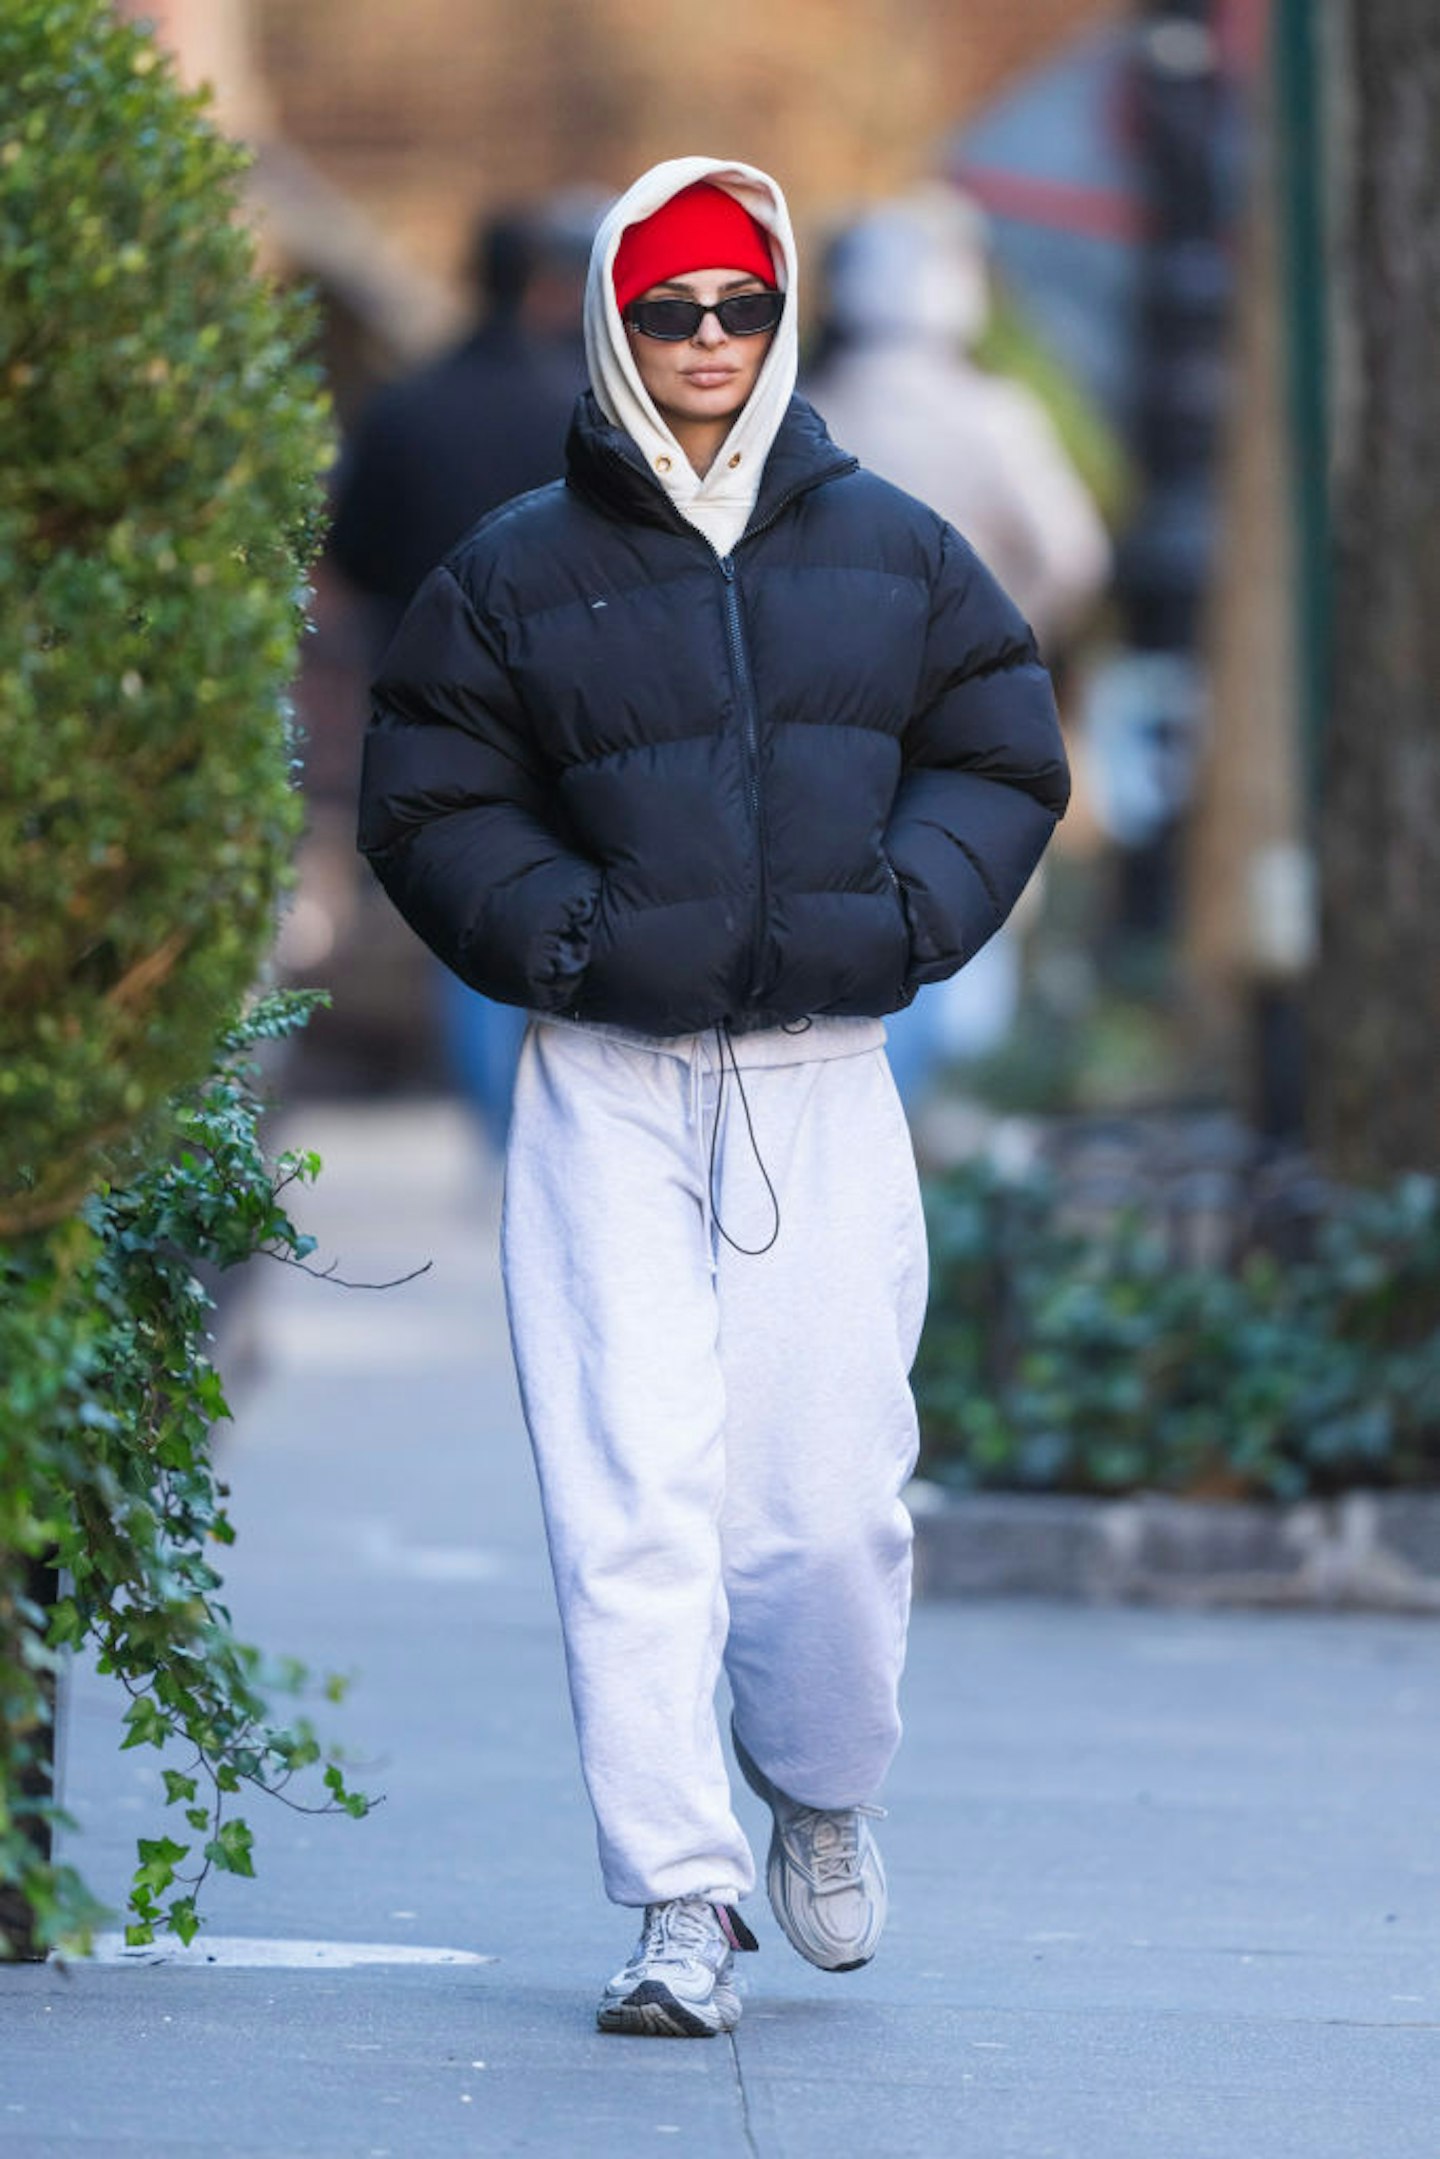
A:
(1248, 810)
(1376, 1009)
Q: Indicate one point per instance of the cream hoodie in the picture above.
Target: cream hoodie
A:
(720, 504)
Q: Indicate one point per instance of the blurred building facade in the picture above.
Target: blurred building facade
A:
(383, 130)
(426, 112)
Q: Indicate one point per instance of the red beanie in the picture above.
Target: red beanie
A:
(701, 228)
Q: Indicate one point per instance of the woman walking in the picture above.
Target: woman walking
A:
(708, 756)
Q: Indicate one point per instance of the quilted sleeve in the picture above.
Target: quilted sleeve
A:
(985, 776)
(456, 815)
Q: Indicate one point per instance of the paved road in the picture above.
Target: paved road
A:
(1164, 1885)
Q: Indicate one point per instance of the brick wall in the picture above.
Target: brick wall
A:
(426, 110)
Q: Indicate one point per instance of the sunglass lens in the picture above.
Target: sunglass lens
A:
(746, 314)
(670, 320)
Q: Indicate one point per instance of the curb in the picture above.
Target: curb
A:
(1366, 1551)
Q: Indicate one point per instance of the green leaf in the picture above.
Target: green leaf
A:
(230, 1850)
(66, 1629)
(182, 1919)
(164, 1849)
(144, 1724)
(159, 1858)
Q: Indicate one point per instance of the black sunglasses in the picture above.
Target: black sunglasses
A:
(743, 314)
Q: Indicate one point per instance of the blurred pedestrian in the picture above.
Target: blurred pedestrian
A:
(708, 758)
(483, 422)
(908, 299)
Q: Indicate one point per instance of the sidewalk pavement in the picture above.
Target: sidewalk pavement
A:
(1163, 1884)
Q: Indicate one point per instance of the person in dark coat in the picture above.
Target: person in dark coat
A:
(433, 452)
(707, 757)
(485, 420)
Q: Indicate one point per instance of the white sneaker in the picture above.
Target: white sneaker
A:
(678, 1982)
(824, 1874)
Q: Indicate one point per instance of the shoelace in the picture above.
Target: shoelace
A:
(673, 1931)
(833, 1839)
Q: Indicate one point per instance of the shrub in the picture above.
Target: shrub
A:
(1069, 1361)
(161, 444)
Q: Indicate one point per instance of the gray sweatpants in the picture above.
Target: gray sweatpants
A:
(721, 1439)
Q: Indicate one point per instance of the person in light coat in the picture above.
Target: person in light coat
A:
(908, 300)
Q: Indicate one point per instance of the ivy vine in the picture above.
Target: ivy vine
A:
(108, 1485)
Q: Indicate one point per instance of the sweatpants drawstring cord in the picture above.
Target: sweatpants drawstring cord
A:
(751, 1251)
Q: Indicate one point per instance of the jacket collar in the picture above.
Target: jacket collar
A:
(605, 465)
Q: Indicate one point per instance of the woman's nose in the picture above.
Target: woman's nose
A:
(708, 330)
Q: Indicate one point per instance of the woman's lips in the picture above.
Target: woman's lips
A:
(709, 378)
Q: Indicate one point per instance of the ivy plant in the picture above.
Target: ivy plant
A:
(108, 1403)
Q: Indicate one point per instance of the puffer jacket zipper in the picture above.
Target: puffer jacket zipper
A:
(750, 730)
(750, 722)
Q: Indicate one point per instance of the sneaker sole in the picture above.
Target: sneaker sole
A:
(653, 2012)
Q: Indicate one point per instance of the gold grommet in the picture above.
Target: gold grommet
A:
(734, 460)
(662, 464)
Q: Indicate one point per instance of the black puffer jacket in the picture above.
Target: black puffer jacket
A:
(613, 776)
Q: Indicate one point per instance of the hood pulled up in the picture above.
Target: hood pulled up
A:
(719, 504)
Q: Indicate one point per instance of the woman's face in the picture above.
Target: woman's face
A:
(708, 377)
